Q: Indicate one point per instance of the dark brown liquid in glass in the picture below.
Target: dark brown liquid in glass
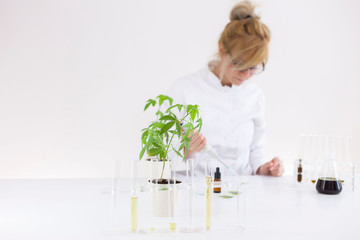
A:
(328, 186)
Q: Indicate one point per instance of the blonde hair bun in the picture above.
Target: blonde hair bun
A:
(243, 10)
(245, 38)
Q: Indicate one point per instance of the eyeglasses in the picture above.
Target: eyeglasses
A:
(254, 69)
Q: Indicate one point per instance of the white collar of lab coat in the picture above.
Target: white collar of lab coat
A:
(215, 81)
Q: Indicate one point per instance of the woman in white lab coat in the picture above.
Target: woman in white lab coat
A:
(232, 107)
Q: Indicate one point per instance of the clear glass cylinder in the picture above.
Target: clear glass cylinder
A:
(134, 196)
(208, 194)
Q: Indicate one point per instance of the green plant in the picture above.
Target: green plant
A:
(157, 139)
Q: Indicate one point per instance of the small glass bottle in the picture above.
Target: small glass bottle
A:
(217, 181)
(299, 171)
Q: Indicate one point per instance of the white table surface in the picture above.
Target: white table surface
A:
(277, 208)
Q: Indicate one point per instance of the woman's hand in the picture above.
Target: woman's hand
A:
(273, 168)
(197, 143)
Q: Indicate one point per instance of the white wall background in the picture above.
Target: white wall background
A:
(75, 74)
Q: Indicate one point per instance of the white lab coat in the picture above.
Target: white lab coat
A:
(233, 121)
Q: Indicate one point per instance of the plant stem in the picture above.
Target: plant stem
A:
(167, 149)
(167, 157)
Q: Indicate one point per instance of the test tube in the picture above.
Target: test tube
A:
(172, 204)
(153, 181)
(208, 195)
(301, 145)
(350, 164)
(240, 206)
(350, 159)
(134, 196)
(190, 212)
(314, 158)
(116, 177)
(114, 195)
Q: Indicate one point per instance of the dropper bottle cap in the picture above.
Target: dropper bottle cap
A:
(217, 173)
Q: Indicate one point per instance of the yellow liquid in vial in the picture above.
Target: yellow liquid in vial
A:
(172, 226)
(134, 213)
(208, 199)
(313, 181)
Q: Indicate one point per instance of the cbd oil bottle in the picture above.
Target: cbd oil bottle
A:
(217, 181)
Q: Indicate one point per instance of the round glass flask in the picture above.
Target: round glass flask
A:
(329, 182)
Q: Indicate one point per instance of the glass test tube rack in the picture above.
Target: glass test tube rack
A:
(182, 202)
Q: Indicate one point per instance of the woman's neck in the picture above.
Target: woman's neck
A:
(221, 77)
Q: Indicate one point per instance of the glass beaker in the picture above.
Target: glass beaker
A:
(328, 182)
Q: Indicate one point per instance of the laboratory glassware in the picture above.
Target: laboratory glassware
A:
(134, 196)
(208, 194)
(329, 182)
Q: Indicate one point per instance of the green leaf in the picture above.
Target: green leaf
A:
(187, 132)
(167, 126)
(167, 137)
(180, 107)
(182, 146)
(146, 106)
(142, 153)
(188, 125)
(186, 150)
(144, 136)
(150, 140)
(167, 118)
(171, 107)
(163, 155)
(189, 108)
(157, 144)
(157, 125)
(159, 113)
(170, 100)
(162, 98)
(177, 152)
(193, 115)
(154, 151)
(178, 128)
(150, 102)
(158, 138)
(199, 125)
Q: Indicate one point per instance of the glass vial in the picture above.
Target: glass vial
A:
(299, 171)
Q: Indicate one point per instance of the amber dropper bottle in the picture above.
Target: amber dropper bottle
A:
(299, 171)
(217, 181)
